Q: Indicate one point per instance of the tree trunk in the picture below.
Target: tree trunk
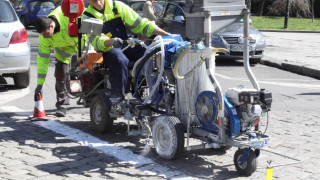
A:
(260, 7)
(312, 6)
(248, 2)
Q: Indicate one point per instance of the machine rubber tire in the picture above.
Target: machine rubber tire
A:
(99, 115)
(168, 137)
(22, 80)
(249, 166)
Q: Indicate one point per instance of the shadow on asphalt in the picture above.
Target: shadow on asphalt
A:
(195, 160)
(81, 160)
(7, 87)
(230, 62)
(34, 140)
(311, 94)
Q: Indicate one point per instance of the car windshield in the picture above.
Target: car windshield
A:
(158, 7)
(42, 4)
(137, 6)
(7, 13)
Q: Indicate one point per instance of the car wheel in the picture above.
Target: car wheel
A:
(255, 60)
(24, 22)
(2, 80)
(22, 80)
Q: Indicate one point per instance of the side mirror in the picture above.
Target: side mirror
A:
(179, 19)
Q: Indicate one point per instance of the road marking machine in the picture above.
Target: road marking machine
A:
(173, 108)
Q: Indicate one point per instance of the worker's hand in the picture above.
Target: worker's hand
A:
(117, 42)
(37, 91)
(131, 43)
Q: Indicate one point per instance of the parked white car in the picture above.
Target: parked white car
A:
(14, 47)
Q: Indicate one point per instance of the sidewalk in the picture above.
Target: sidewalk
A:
(296, 52)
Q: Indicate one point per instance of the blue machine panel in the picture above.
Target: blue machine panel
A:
(207, 111)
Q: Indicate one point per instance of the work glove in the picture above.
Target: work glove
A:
(131, 42)
(117, 42)
(37, 91)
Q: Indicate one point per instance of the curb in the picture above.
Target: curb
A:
(302, 70)
(287, 31)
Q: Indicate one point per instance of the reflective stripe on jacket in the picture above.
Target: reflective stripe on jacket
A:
(130, 18)
(64, 46)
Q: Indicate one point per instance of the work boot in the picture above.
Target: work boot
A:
(61, 112)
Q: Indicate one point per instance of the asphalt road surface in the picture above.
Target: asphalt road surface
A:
(69, 147)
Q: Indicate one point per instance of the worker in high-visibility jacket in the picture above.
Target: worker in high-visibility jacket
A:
(116, 17)
(54, 34)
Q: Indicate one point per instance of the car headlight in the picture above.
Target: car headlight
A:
(252, 39)
(260, 38)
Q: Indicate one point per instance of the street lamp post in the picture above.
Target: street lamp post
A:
(286, 19)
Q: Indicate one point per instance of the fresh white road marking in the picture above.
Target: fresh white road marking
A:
(105, 147)
(111, 149)
(272, 82)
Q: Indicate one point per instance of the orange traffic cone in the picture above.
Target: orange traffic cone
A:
(39, 112)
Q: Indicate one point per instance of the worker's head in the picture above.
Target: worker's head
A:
(97, 4)
(45, 26)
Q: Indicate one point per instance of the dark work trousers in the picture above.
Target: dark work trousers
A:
(118, 61)
(60, 74)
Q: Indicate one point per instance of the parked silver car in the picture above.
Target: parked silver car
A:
(14, 47)
(172, 20)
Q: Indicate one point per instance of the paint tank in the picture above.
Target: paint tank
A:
(188, 89)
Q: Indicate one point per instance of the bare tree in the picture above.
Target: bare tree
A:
(298, 8)
(312, 9)
(248, 3)
(260, 7)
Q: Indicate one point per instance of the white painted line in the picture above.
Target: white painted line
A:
(113, 150)
(93, 142)
(287, 84)
(105, 147)
(222, 76)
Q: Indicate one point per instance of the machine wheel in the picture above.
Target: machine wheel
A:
(140, 82)
(249, 166)
(22, 80)
(99, 115)
(168, 138)
(146, 75)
